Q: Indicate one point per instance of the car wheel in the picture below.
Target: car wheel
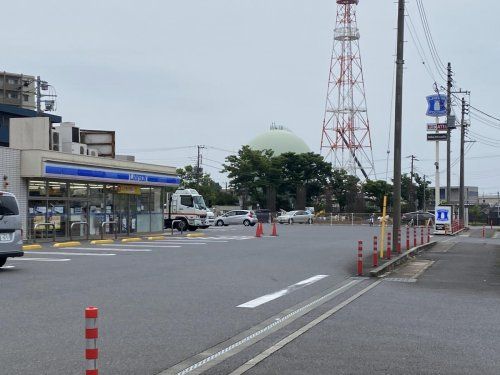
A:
(191, 228)
(2, 261)
(246, 222)
(219, 223)
(182, 225)
(290, 221)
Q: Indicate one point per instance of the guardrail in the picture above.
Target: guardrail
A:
(78, 223)
(45, 225)
(104, 223)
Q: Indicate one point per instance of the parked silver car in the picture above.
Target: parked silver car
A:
(296, 217)
(244, 217)
(11, 238)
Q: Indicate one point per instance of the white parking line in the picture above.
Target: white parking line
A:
(58, 253)
(7, 267)
(146, 244)
(111, 249)
(270, 297)
(161, 242)
(43, 259)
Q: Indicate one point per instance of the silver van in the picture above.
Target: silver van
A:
(11, 238)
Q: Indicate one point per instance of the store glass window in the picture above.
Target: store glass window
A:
(96, 191)
(156, 210)
(142, 209)
(78, 190)
(37, 214)
(57, 189)
(37, 188)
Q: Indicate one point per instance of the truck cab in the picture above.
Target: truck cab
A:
(185, 209)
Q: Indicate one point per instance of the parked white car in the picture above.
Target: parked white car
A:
(244, 217)
(296, 217)
(210, 217)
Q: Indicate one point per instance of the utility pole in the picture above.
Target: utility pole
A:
(38, 96)
(425, 188)
(462, 162)
(398, 119)
(198, 164)
(449, 85)
(411, 197)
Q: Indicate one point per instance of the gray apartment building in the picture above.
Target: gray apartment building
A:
(17, 90)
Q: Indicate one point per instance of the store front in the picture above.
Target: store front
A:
(77, 198)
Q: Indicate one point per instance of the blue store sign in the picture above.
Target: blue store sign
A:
(436, 105)
(75, 172)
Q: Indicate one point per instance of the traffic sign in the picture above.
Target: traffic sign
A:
(436, 105)
(437, 136)
(438, 127)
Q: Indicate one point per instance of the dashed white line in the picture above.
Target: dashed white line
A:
(112, 249)
(148, 245)
(7, 267)
(280, 293)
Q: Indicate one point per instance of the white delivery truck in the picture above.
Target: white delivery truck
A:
(186, 209)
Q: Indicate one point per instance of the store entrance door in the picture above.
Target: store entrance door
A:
(122, 213)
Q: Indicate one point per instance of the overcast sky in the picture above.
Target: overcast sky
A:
(175, 74)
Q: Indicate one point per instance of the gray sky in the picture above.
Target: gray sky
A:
(167, 74)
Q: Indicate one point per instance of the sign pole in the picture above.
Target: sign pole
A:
(437, 188)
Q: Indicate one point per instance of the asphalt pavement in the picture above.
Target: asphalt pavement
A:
(164, 305)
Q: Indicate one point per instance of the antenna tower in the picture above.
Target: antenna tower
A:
(346, 139)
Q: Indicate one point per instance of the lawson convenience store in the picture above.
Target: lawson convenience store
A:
(64, 189)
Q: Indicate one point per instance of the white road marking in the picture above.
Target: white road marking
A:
(146, 245)
(266, 353)
(44, 259)
(270, 297)
(112, 249)
(7, 267)
(66, 253)
(157, 243)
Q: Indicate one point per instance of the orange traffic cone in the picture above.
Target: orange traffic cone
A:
(261, 229)
(274, 233)
(258, 233)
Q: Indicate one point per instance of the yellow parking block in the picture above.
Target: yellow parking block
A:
(195, 235)
(101, 242)
(156, 238)
(132, 239)
(32, 247)
(67, 244)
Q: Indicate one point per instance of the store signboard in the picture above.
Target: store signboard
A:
(129, 189)
(443, 219)
(98, 174)
(437, 127)
(437, 136)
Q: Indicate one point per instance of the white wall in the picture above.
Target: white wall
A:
(31, 133)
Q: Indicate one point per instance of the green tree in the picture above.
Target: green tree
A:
(344, 188)
(376, 190)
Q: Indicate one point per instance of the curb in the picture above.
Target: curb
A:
(67, 244)
(132, 239)
(101, 242)
(32, 247)
(156, 238)
(194, 235)
(391, 264)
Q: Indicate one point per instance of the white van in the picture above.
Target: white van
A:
(11, 238)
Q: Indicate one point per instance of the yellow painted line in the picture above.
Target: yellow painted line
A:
(155, 238)
(132, 239)
(101, 242)
(67, 244)
(195, 235)
(32, 247)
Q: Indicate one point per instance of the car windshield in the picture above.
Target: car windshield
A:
(199, 202)
(8, 206)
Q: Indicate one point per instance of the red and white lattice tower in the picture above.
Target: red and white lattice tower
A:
(346, 140)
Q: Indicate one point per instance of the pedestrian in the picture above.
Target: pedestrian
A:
(372, 218)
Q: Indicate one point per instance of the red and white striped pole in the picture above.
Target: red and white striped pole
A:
(414, 236)
(388, 245)
(375, 251)
(428, 234)
(91, 335)
(407, 238)
(360, 258)
(399, 241)
(421, 235)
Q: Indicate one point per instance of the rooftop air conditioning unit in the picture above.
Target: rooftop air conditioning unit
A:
(92, 152)
(77, 148)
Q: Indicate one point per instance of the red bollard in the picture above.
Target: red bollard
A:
(407, 238)
(421, 235)
(360, 258)
(428, 234)
(91, 335)
(414, 236)
(388, 245)
(375, 251)
(399, 241)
